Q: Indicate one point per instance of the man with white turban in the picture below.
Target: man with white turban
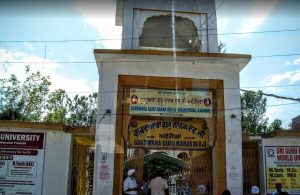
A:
(130, 185)
(201, 189)
(254, 190)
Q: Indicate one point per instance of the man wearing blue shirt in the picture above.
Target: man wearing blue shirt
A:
(130, 185)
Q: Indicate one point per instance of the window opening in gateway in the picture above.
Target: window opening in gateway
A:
(157, 34)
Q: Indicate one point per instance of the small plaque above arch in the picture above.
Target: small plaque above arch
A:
(171, 103)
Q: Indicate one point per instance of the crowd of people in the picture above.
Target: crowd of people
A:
(159, 186)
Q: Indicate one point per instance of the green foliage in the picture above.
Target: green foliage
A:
(31, 100)
(275, 125)
(9, 90)
(34, 92)
(23, 101)
(83, 110)
(253, 112)
(57, 106)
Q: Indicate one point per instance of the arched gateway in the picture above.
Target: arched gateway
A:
(169, 125)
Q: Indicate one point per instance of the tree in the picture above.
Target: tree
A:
(31, 100)
(9, 105)
(34, 95)
(23, 101)
(253, 106)
(57, 106)
(83, 110)
(275, 125)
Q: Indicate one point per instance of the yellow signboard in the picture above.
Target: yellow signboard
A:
(289, 177)
(169, 134)
(283, 166)
(171, 103)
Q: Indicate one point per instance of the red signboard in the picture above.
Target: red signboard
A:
(20, 139)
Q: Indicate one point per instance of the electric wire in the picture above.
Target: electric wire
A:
(204, 58)
(132, 38)
(273, 95)
(218, 110)
(223, 88)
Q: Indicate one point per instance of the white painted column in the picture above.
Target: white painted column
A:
(233, 129)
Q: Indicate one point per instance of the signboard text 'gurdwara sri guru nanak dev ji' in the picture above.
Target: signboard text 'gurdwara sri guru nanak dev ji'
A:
(171, 103)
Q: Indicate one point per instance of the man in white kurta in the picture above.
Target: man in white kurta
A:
(130, 185)
(158, 185)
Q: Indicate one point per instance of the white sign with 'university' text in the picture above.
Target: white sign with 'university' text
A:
(21, 162)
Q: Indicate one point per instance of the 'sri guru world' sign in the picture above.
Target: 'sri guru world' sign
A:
(283, 166)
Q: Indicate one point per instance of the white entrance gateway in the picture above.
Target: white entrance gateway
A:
(168, 45)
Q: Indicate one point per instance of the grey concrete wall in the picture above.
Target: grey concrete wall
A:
(57, 163)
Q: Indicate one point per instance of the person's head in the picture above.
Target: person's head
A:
(131, 173)
(183, 180)
(278, 187)
(201, 189)
(226, 192)
(160, 173)
(254, 190)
